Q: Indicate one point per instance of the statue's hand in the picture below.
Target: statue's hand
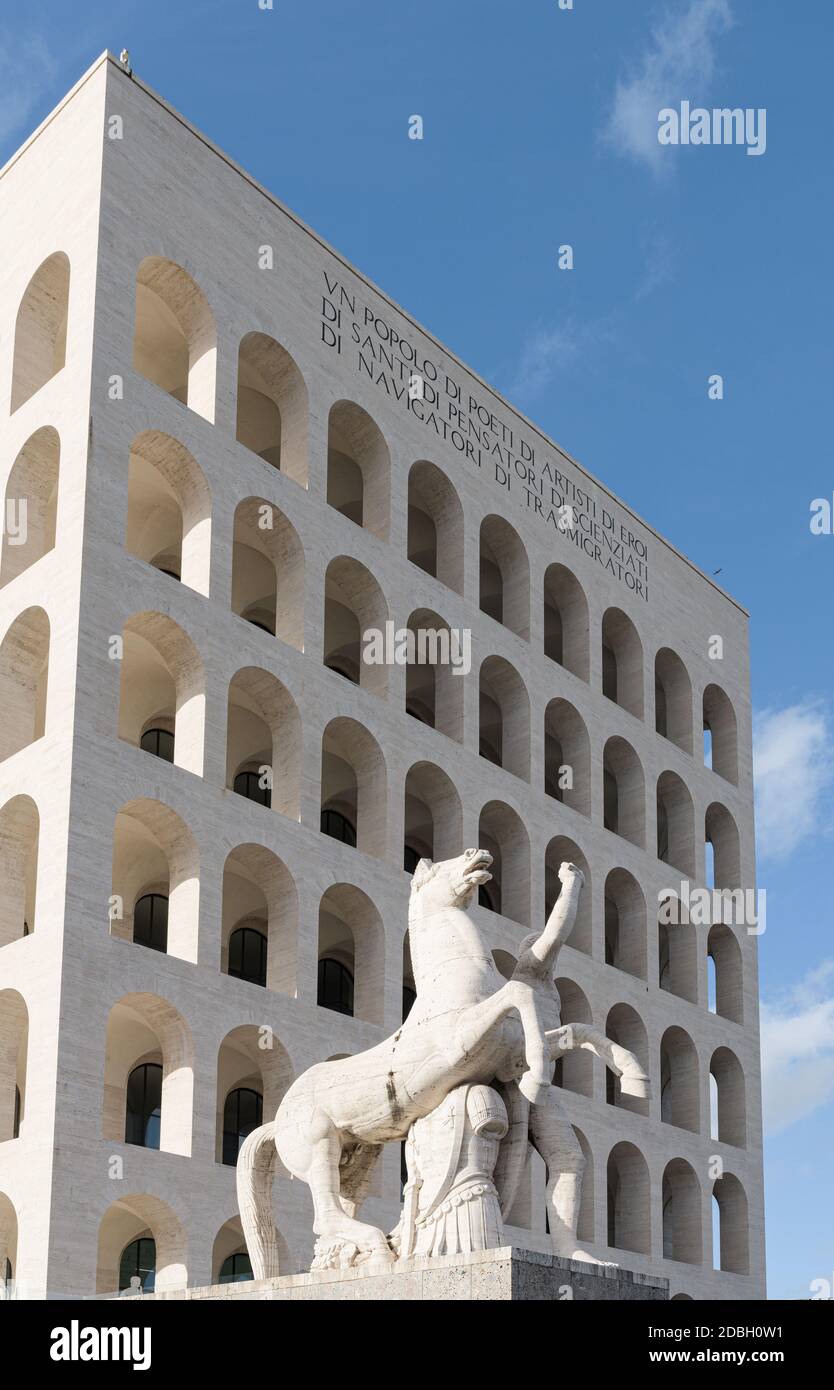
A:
(561, 1039)
(569, 872)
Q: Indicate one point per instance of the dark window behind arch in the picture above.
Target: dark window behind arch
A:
(247, 955)
(150, 921)
(138, 1262)
(235, 1268)
(248, 784)
(144, 1106)
(159, 742)
(338, 827)
(335, 986)
(242, 1113)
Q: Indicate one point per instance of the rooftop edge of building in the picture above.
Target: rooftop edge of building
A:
(107, 57)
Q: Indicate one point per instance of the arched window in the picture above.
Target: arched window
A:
(338, 827)
(137, 1267)
(249, 784)
(504, 717)
(268, 562)
(731, 1250)
(335, 986)
(502, 832)
(40, 338)
(247, 955)
(24, 676)
(625, 924)
(624, 795)
(175, 339)
(504, 576)
(235, 1268)
(681, 1213)
(168, 509)
(725, 975)
(622, 662)
(144, 1106)
(675, 823)
(672, 699)
(272, 405)
(435, 525)
(243, 1112)
(720, 734)
(150, 922)
(679, 1080)
(353, 604)
(31, 504)
(159, 742)
(567, 756)
(358, 468)
(566, 621)
(629, 1216)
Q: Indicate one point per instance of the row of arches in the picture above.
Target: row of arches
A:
(162, 710)
(175, 346)
(148, 1081)
(156, 888)
(169, 527)
(143, 1244)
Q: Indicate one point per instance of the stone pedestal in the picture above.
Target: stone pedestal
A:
(506, 1274)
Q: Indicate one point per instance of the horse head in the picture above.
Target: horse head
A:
(449, 883)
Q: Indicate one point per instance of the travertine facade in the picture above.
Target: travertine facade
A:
(195, 387)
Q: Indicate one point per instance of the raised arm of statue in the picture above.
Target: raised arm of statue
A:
(539, 958)
(624, 1064)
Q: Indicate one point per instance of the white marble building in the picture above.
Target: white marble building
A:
(207, 414)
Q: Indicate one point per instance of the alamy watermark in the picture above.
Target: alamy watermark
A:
(695, 125)
(740, 907)
(14, 523)
(422, 646)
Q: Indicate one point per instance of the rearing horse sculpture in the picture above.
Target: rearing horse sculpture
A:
(468, 1024)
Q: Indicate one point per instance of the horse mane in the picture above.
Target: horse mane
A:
(423, 874)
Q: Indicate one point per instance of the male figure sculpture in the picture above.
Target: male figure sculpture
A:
(468, 1026)
(450, 1203)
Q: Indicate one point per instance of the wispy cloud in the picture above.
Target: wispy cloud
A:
(660, 264)
(798, 1050)
(548, 351)
(677, 65)
(793, 767)
(26, 68)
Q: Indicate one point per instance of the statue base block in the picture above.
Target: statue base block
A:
(507, 1274)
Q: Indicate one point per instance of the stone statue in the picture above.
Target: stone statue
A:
(469, 1028)
(450, 1202)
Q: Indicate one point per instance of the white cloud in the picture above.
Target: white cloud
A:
(678, 65)
(793, 768)
(549, 350)
(798, 1050)
(26, 68)
(660, 262)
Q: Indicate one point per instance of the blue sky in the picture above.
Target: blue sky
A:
(539, 130)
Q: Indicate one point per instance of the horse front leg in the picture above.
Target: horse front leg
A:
(478, 1023)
